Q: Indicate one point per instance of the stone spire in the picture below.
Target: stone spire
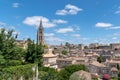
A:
(40, 34)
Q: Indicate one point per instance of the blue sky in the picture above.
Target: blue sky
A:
(74, 21)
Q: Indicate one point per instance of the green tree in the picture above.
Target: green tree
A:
(2, 62)
(15, 72)
(68, 70)
(13, 63)
(86, 47)
(48, 74)
(118, 67)
(100, 59)
(8, 48)
(13, 56)
(18, 53)
(41, 74)
(30, 52)
(34, 53)
(64, 52)
(39, 54)
(46, 46)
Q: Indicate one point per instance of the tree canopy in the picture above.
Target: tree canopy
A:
(47, 73)
(68, 70)
(100, 59)
(8, 48)
(64, 52)
(34, 53)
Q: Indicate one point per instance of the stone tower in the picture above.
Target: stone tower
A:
(40, 34)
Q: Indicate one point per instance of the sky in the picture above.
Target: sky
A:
(73, 21)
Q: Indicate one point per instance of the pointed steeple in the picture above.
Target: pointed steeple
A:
(40, 26)
(40, 34)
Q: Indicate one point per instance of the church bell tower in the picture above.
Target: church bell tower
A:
(40, 34)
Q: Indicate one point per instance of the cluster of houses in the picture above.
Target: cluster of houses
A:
(79, 54)
(87, 55)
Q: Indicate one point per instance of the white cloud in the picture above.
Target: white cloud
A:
(116, 27)
(59, 21)
(16, 32)
(65, 30)
(2, 24)
(116, 34)
(85, 38)
(69, 10)
(54, 39)
(35, 21)
(15, 5)
(49, 34)
(75, 35)
(103, 25)
(72, 9)
(9, 27)
(101, 40)
(96, 41)
(6, 26)
(114, 38)
(118, 10)
(61, 12)
(107, 26)
(12, 27)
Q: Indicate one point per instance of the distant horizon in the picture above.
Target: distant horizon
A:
(75, 44)
(73, 21)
